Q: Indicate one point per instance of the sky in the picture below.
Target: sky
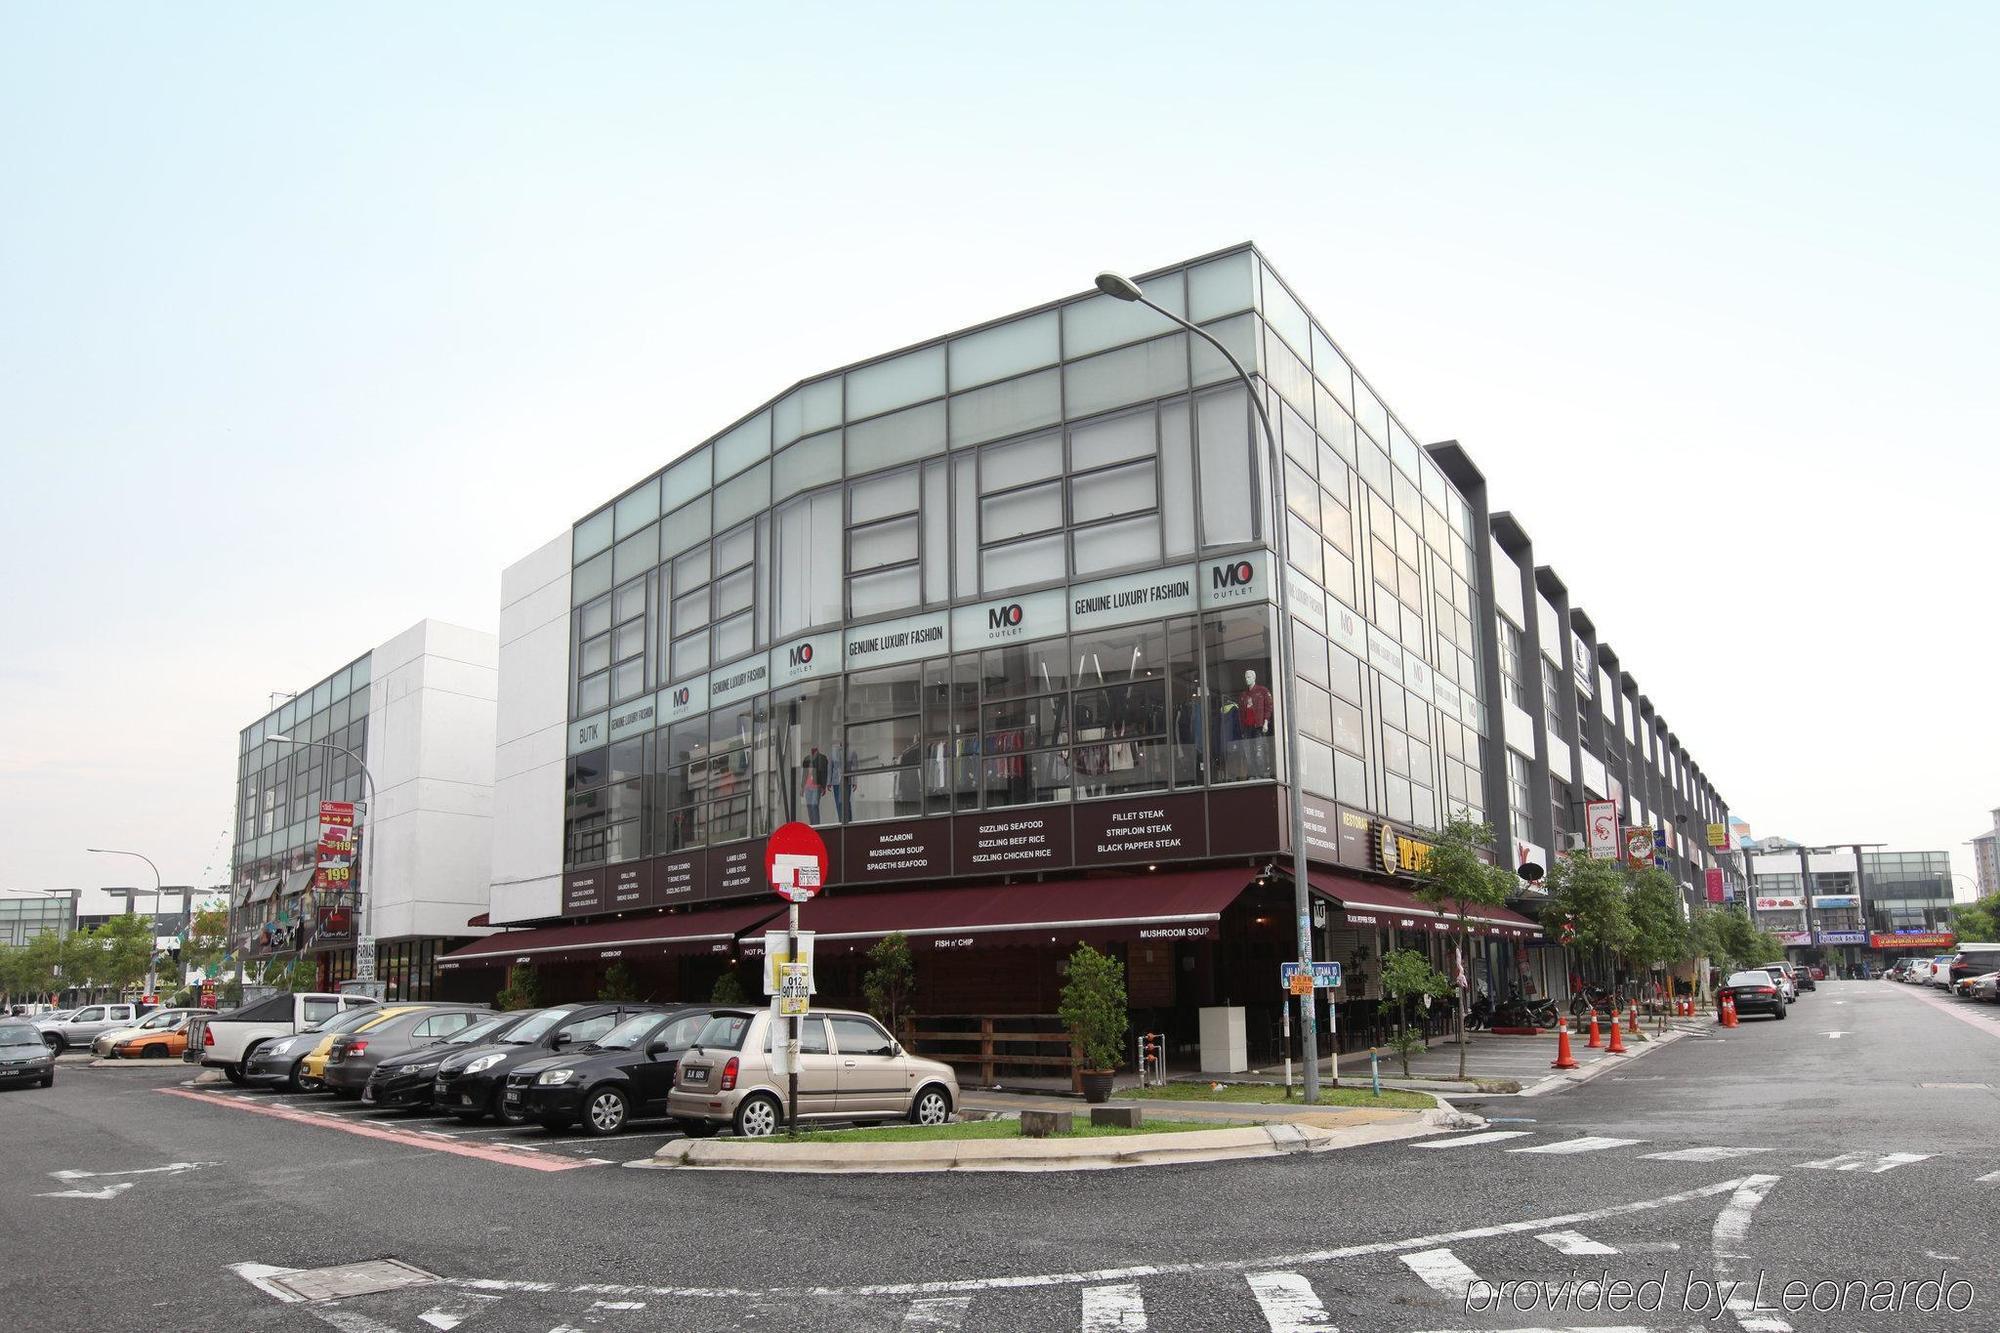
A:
(314, 318)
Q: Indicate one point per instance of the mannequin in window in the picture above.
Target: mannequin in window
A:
(1253, 714)
(817, 771)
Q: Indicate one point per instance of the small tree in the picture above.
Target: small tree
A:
(618, 984)
(728, 989)
(1455, 877)
(207, 938)
(1093, 1007)
(1659, 929)
(1407, 973)
(522, 990)
(126, 943)
(1591, 894)
(891, 976)
(1977, 920)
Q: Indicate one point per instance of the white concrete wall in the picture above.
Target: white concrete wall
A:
(527, 853)
(430, 747)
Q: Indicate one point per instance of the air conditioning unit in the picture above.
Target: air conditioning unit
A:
(1573, 842)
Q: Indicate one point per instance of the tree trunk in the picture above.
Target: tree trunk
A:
(1403, 1046)
(1459, 960)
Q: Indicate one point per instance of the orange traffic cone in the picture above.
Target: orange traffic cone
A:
(1596, 1041)
(1632, 1019)
(1726, 1011)
(1617, 1046)
(1564, 1058)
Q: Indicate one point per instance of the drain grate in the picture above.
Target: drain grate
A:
(1971, 1087)
(362, 1279)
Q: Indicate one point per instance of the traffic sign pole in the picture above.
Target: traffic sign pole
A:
(795, 863)
(792, 1042)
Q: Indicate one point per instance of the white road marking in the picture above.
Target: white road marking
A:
(943, 1313)
(1289, 1303)
(1835, 1035)
(260, 1275)
(1113, 1309)
(617, 1305)
(1442, 1271)
(108, 1192)
(1701, 1154)
(450, 1314)
(1728, 1242)
(1574, 1242)
(1591, 1143)
(1875, 1163)
(171, 1168)
(349, 1321)
(1986, 1179)
(1467, 1140)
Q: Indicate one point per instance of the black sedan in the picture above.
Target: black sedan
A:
(24, 1058)
(355, 1054)
(625, 1076)
(405, 1080)
(1755, 992)
(469, 1085)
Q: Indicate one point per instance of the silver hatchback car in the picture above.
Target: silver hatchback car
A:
(850, 1068)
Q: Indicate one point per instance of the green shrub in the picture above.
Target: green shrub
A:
(1093, 1006)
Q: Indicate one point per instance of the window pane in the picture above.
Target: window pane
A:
(1239, 653)
(628, 679)
(636, 554)
(890, 590)
(879, 497)
(631, 640)
(1017, 513)
(744, 445)
(1132, 489)
(1003, 466)
(1007, 349)
(594, 693)
(1221, 287)
(684, 527)
(746, 495)
(900, 438)
(1115, 440)
(937, 533)
(736, 549)
(690, 655)
(1222, 426)
(806, 410)
(909, 378)
(1037, 561)
(684, 480)
(691, 570)
(733, 639)
(595, 655)
(808, 463)
(1006, 409)
(1177, 479)
(1108, 546)
(1130, 375)
(592, 578)
(637, 509)
(733, 594)
(691, 612)
(590, 536)
(879, 544)
(1101, 321)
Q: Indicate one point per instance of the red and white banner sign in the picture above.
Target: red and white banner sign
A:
(1600, 822)
(1781, 903)
(333, 871)
(1714, 880)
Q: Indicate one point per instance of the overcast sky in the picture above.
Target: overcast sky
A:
(312, 321)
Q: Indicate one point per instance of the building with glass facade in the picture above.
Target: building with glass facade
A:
(418, 713)
(1850, 905)
(1986, 858)
(27, 913)
(997, 615)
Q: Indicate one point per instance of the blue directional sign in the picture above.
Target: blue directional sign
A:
(1326, 976)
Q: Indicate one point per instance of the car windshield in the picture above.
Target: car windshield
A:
(1751, 979)
(347, 1021)
(631, 1033)
(489, 1030)
(535, 1027)
(725, 1032)
(163, 1019)
(19, 1034)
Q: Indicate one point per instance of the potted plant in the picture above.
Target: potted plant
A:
(1093, 1012)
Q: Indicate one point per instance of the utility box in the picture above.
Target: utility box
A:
(1224, 1047)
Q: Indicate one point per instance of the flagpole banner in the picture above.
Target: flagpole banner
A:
(1601, 821)
(334, 872)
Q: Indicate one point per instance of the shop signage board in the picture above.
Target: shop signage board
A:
(898, 639)
(1912, 939)
(1398, 853)
(1833, 901)
(739, 680)
(733, 869)
(1449, 698)
(679, 879)
(1031, 838)
(1784, 902)
(633, 718)
(1793, 938)
(679, 702)
(906, 849)
(803, 659)
(631, 885)
(1345, 627)
(1153, 828)
(1843, 937)
(1035, 615)
(1325, 975)
(1238, 579)
(589, 732)
(1108, 603)
(1718, 837)
(1384, 653)
(1321, 821)
(1600, 820)
(1712, 880)
(1579, 666)
(1638, 846)
(1308, 603)
(583, 893)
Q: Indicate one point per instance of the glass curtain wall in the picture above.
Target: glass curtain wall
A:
(279, 787)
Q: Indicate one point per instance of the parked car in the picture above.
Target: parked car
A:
(1984, 988)
(1803, 979)
(1973, 960)
(405, 1080)
(282, 1063)
(24, 1056)
(1919, 972)
(850, 1068)
(1816, 972)
(353, 1055)
(228, 1041)
(1780, 973)
(1940, 973)
(471, 1084)
(87, 1024)
(1756, 992)
(625, 1075)
(160, 1035)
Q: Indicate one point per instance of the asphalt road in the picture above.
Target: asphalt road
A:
(1777, 1152)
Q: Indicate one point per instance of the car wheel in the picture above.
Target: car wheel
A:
(759, 1116)
(932, 1107)
(606, 1111)
(296, 1081)
(1782, 1014)
(54, 1041)
(234, 1073)
(506, 1116)
(155, 1052)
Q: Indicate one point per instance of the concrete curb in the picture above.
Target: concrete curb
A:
(1557, 1082)
(1275, 1139)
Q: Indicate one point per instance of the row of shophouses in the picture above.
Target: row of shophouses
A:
(998, 614)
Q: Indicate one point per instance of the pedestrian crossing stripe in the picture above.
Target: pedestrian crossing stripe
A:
(1701, 1154)
(1468, 1140)
(1875, 1163)
(1289, 1303)
(1589, 1143)
(1574, 1242)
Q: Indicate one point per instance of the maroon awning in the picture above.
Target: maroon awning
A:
(632, 937)
(1165, 907)
(1369, 904)
(483, 919)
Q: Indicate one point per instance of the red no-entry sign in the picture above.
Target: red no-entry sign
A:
(795, 862)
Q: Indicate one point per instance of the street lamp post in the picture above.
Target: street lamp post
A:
(1123, 288)
(152, 962)
(366, 896)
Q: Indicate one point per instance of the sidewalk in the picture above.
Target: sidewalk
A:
(1244, 1113)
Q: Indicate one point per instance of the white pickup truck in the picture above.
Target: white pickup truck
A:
(227, 1041)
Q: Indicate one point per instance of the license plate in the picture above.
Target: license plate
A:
(697, 1076)
(513, 1094)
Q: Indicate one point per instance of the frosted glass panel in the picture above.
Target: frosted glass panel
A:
(1176, 479)
(1019, 463)
(746, 495)
(1331, 367)
(872, 594)
(1101, 321)
(879, 497)
(684, 527)
(1008, 349)
(937, 533)
(1369, 413)
(808, 539)
(1223, 431)
(965, 524)
(636, 554)
(909, 378)
(743, 446)
(1239, 335)
(638, 509)
(591, 536)
(1130, 375)
(591, 578)
(1037, 561)
(684, 480)
(810, 462)
(1125, 490)
(1105, 442)
(890, 543)
(1135, 541)
(1284, 314)
(1221, 287)
(1006, 409)
(806, 410)
(901, 438)
(1018, 513)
